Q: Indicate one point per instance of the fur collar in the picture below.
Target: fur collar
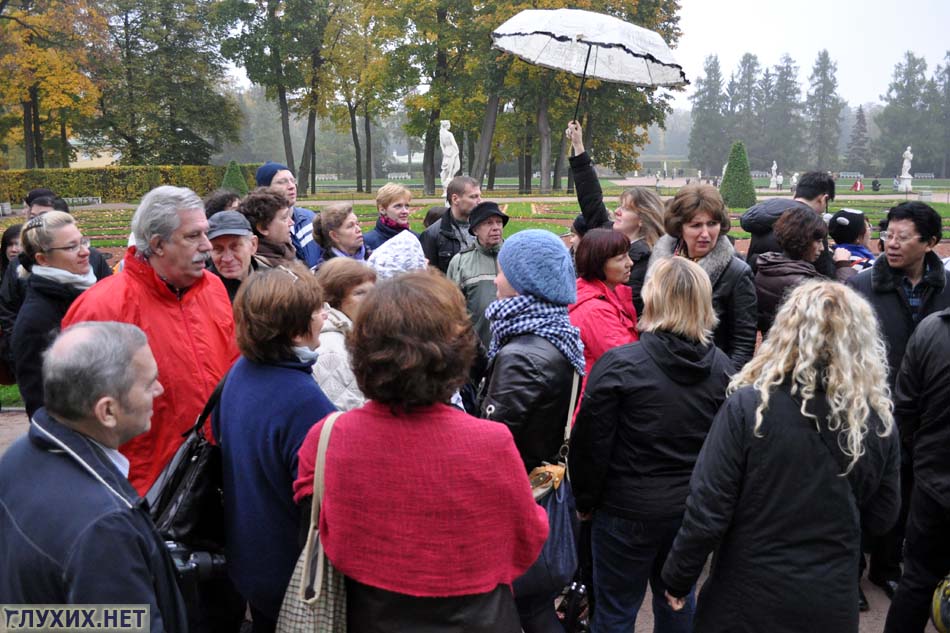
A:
(714, 263)
(884, 278)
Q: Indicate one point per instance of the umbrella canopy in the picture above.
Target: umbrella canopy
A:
(591, 45)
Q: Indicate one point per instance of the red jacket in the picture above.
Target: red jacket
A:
(192, 339)
(606, 319)
(433, 503)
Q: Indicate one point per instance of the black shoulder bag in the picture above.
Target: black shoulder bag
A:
(186, 502)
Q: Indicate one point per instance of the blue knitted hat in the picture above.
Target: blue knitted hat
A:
(265, 173)
(537, 263)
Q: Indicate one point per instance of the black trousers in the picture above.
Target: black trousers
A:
(886, 551)
(926, 562)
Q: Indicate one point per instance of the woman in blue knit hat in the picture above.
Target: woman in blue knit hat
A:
(534, 356)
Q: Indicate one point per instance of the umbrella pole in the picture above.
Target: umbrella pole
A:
(583, 79)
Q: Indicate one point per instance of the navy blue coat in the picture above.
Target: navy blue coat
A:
(262, 419)
(381, 234)
(73, 530)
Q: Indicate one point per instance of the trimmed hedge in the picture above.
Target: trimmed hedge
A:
(115, 184)
(737, 188)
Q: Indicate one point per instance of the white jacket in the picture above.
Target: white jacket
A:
(332, 370)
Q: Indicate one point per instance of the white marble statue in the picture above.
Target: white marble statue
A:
(774, 169)
(905, 166)
(450, 154)
(773, 181)
(726, 164)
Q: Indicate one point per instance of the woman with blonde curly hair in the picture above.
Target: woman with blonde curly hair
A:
(801, 456)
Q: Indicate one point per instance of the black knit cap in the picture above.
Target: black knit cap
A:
(482, 212)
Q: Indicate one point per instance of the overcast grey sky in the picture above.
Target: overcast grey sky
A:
(865, 38)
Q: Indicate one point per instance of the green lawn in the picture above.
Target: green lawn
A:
(10, 396)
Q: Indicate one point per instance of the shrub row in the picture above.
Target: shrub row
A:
(115, 184)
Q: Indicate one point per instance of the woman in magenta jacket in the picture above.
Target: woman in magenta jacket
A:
(604, 310)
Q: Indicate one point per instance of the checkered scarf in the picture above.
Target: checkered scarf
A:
(526, 314)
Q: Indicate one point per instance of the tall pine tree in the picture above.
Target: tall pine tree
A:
(744, 121)
(859, 155)
(823, 112)
(785, 125)
(903, 120)
(708, 142)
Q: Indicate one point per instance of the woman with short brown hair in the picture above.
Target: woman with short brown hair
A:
(271, 219)
(337, 230)
(445, 492)
(345, 283)
(268, 404)
(697, 222)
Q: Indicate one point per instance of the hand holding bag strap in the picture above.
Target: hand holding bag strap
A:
(313, 546)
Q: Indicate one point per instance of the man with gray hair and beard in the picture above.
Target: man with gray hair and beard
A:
(72, 528)
(184, 310)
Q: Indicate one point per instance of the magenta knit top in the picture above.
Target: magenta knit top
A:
(431, 504)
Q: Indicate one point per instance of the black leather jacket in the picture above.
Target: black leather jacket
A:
(528, 387)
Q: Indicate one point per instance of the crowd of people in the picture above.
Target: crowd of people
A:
(784, 412)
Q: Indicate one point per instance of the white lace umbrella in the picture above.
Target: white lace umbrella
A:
(590, 45)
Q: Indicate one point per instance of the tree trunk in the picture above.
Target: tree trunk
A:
(28, 146)
(428, 154)
(544, 135)
(63, 141)
(528, 148)
(277, 66)
(356, 145)
(368, 139)
(440, 79)
(559, 163)
(570, 181)
(37, 130)
(470, 145)
(491, 174)
(521, 187)
(483, 150)
(303, 175)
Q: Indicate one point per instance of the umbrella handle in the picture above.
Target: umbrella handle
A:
(583, 79)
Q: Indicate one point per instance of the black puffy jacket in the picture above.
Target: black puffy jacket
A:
(646, 410)
(785, 526)
(733, 296)
(880, 285)
(441, 241)
(37, 324)
(591, 199)
(528, 387)
(921, 402)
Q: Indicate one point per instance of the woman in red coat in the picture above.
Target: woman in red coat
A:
(427, 511)
(604, 311)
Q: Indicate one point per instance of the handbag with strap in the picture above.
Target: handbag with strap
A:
(557, 562)
(186, 502)
(315, 600)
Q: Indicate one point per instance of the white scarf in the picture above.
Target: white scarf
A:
(79, 282)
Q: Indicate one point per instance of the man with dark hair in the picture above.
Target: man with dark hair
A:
(73, 530)
(279, 177)
(449, 235)
(905, 284)
(815, 191)
(33, 195)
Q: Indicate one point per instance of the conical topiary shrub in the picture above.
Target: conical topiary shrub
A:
(737, 188)
(234, 179)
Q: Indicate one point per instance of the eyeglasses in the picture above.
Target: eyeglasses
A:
(72, 248)
(285, 181)
(900, 239)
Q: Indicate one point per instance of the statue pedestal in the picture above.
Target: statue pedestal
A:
(906, 185)
(773, 183)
